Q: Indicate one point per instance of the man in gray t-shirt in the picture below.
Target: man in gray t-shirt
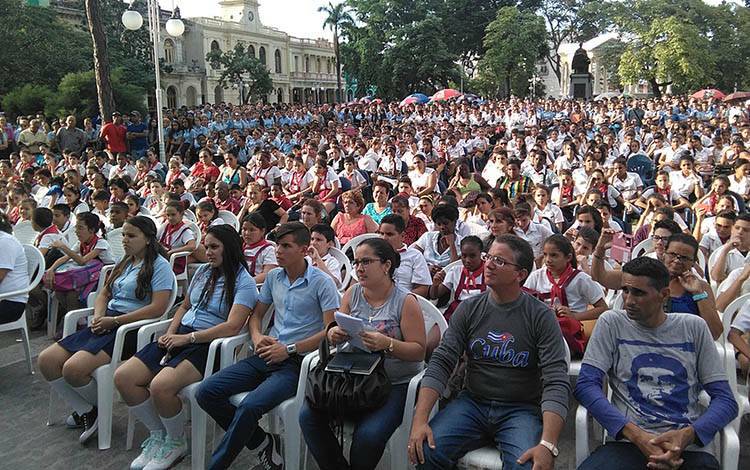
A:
(517, 386)
(70, 138)
(656, 365)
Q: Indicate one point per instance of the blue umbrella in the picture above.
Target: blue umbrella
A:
(421, 98)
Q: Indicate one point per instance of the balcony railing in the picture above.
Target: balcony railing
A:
(311, 76)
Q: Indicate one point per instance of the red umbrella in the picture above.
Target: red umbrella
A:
(707, 94)
(446, 94)
(738, 96)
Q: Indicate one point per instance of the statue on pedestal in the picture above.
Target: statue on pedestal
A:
(580, 79)
(581, 60)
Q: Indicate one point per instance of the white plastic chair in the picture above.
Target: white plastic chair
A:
(53, 305)
(354, 242)
(104, 375)
(646, 246)
(35, 268)
(346, 265)
(740, 391)
(197, 416)
(189, 215)
(729, 443)
(114, 237)
(24, 232)
(230, 219)
(182, 278)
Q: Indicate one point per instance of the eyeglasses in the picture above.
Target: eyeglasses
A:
(657, 238)
(496, 260)
(364, 262)
(680, 258)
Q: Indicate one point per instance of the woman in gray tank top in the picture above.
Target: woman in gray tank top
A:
(398, 331)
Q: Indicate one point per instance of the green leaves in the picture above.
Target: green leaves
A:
(238, 66)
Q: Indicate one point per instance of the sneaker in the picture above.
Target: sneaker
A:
(74, 421)
(90, 425)
(169, 453)
(269, 455)
(150, 448)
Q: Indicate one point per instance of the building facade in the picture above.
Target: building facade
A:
(302, 70)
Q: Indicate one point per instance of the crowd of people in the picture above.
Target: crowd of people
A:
(516, 218)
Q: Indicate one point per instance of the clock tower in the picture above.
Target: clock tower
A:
(240, 11)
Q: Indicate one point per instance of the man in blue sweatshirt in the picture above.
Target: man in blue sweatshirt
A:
(656, 364)
(517, 386)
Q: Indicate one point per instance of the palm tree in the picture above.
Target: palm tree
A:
(338, 18)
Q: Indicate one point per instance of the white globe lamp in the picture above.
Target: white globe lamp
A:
(175, 27)
(132, 20)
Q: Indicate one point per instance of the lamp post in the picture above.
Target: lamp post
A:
(133, 20)
(532, 84)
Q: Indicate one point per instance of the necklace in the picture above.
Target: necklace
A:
(374, 310)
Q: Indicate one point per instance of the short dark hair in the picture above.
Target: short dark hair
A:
(395, 220)
(64, 208)
(745, 216)
(472, 240)
(668, 224)
(445, 212)
(257, 220)
(385, 252)
(297, 230)
(42, 217)
(653, 269)
(325, 230)
(729, 215)
(684, 239)
(524, 255)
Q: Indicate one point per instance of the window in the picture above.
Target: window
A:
(318, 69)
(169, 51)
(171, 97)
(296, 63)
(329, 66)
(262, 55)
(251, 50)
(215, 46)
(307, 64)
(277, 61)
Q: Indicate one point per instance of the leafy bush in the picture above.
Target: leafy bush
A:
(26, 99)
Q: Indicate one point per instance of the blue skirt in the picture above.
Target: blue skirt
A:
(197, 354)
(87, 340)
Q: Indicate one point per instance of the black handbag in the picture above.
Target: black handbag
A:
(345, 393)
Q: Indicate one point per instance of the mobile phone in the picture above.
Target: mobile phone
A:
(622, 247)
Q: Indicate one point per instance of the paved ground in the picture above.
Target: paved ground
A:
(26, 443)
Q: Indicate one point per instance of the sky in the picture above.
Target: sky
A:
(304, 21)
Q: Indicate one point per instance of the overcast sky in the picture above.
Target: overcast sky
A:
(299, 18)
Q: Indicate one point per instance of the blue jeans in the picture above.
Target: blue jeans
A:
(371, 434)
(625, 456)
(467, 424)
(269, 386)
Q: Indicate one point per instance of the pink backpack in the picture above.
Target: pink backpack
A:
(83, 279)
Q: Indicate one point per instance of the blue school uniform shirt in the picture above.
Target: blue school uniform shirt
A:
(213, 311)
(123, 298)
(298, 306)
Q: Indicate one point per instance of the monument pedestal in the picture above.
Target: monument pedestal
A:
(581, 86)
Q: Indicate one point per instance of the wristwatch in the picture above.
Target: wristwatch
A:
(291, 349)
(700, 296)
(551, 447)
(192, 337)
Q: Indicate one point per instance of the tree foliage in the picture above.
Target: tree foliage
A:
(339, 18)
(25, 99)
(38, 47)
(514, 42)
(239, 68)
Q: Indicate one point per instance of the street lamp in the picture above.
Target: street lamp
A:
(133, 20)
(532, 84)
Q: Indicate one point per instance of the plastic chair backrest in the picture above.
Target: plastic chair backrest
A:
(432, 316)
(731, 311)
(642, 165)
(34, 265)
(346, 265)
(196, 231)
(189, 215)
(354, 242)
(114, 237)
(229, 218)
(24, 232)
(644, 247)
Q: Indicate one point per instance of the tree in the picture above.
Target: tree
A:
(243, 71)
(338, 18)
(38, 47)
(101, 60)
(26, 99)
(514, 41)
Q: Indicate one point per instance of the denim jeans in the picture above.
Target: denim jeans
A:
(625, 456)
(268, 385)
(467, 424)
(371, 433)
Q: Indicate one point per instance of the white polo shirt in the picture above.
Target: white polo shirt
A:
(733, 276)
(581, 292)
(629, 186)
(535, 235)
(453, 277)
(413, 269)
(428, 244)
(734, 260)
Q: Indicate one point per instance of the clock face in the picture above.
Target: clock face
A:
(250, 16)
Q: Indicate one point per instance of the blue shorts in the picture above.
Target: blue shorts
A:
(196, 354)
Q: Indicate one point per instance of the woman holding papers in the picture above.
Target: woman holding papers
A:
(393, 324)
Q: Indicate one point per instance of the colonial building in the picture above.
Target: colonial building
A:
(302, 70)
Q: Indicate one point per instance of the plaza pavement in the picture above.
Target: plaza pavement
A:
(26, 443)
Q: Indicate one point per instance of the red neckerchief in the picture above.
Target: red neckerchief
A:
(558, 287)
(296, 181)
(604, 189)
(567, 192)
(85, 248)
(253, 259)
(169, 231)
(49, 230)
(141, 175)
(468, 280)
(712, 202)
(260, 175)
(403, 248)
(666, 192)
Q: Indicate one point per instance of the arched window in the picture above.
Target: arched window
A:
(215, 46)
(251, 50)
(191, 96)
(218, 94)
(280, 95)
(171, 97)
(262, 55)
(169, 51)
(277, 60)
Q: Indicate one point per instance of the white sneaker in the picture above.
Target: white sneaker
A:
(150, 448)
(170, 452)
